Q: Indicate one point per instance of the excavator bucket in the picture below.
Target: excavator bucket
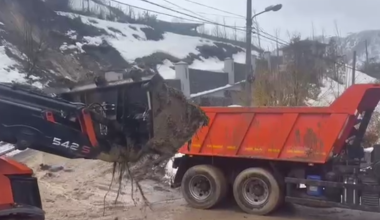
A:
(148, 118)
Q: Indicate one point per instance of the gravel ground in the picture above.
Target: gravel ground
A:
(76, 189)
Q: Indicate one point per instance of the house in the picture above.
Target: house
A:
(211, 88)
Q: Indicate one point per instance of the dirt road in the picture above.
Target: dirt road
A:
(75, 189)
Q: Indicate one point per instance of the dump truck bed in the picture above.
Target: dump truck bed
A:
(303, 134)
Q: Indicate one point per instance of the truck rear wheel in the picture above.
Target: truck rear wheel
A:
(204, 186)
(256, 191)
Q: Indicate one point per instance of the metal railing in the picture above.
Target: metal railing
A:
(4, 152)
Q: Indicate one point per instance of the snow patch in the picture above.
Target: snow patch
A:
(71, 34)
(8, 150)
(170, 171)
(93, 40)
(8, 69)
(240, 57)
(212, 64)
(166, 70)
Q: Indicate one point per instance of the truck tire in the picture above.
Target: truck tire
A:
(256, 191)
(204, 186)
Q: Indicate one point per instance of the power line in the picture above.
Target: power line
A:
(205, 20)
(176, 11)
(219, 15)
(169, 2)
(237, 16)
(269, 37)
(153, 11)
(216, 9)
(241, 29)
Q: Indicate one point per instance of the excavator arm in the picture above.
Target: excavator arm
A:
(46, 124)
(109, 122)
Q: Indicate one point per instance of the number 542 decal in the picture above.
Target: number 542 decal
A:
(67, 144)
(70, 145)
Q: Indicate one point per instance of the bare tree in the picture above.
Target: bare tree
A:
(297, 81)
(234, 34)
(216, 31)
(33, 46)
(203, 30)
(372, 134)
(225, 34)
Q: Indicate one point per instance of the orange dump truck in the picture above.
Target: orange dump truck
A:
(268, 156)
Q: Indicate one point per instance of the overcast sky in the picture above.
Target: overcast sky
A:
(295, 16)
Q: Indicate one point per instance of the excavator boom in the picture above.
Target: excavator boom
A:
(114, 122)
(40, 122)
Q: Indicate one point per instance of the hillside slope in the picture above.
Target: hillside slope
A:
(357, 42)
(75, 46)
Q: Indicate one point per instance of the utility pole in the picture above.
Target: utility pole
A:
(248, 62)
(366, 52)
(353, 69)
(248, 57)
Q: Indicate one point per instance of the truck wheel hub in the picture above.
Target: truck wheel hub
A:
(200, 187)
(255, 191)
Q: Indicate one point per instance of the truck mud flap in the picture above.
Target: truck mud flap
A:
(181, 164)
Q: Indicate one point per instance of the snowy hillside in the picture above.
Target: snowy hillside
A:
(132, 43)
(357, 42)
(332, 89)
(9, 68)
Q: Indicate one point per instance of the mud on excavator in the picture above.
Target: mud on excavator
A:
(120, 122)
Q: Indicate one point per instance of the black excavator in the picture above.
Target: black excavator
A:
(113, 121)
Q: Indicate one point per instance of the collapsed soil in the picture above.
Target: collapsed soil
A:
(175, 121)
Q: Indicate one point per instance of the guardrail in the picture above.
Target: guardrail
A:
(7, 151)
